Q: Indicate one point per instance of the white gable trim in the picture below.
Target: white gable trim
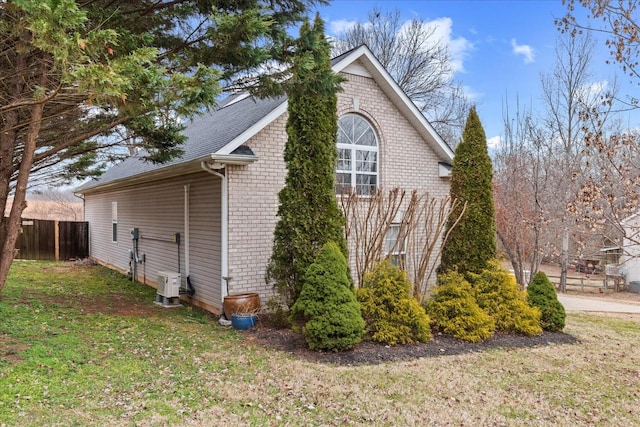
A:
(367, 66)
(253, 130)
(398, 97)
(358, 70)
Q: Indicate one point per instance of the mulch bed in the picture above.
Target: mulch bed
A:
(372, 353)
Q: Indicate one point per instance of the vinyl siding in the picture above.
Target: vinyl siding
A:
(157, 209)
(205, 236)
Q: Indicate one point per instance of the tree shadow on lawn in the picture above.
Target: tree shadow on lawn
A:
(372, 353)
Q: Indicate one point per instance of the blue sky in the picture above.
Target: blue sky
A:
(500, 47)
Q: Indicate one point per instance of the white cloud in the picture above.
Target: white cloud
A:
(593, 91)
(472, 94)
(524, 50)
(494, 142)
(459, 47)
(341, 26)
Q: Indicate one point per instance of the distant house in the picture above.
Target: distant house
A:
(630, 251)
(210, 214)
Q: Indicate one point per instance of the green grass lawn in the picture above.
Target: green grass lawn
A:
(84, 346)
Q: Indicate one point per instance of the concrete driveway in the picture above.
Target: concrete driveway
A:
(571, 303)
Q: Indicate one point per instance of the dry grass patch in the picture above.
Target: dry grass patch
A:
(592, 383)
(181, 368)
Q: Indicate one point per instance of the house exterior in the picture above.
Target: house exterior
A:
(221, 196)
(630, 251)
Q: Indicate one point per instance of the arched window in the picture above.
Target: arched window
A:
(357, 166)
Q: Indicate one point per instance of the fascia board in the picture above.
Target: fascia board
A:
(253, 130)
(171, 171)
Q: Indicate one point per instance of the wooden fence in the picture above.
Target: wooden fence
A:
(53, 240)
(603, 284)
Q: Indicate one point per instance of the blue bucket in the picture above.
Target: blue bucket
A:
(243, 321)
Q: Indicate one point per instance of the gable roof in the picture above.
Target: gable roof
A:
(219, 134)
(362, 55)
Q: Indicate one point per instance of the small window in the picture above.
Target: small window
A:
(114, 221)
(394, 246)
(357, 167)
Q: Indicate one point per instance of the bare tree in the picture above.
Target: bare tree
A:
(609, 191)
(54, 203)
(521, 188)
(567, 91)
(419, 61)
(618, 21)
(421, 231)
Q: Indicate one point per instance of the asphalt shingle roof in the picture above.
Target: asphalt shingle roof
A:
(206, 134)
(211, 132)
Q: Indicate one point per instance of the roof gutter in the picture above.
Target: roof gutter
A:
(233, 159)
(172, 171)
(165, 172)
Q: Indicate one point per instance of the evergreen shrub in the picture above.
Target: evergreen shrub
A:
(498, 294)
(392, 315)
(308, 213)
(471, 244)
(454, 310)
(327, 307)
(542, 294)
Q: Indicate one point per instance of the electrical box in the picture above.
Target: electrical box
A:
(169, 284)
(135, 233)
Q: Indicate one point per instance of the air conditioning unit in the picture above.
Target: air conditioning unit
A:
(168, 284)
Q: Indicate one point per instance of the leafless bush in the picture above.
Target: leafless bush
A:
(420, 231)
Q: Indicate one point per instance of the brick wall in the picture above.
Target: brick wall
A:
(253, 204)
(406, 161)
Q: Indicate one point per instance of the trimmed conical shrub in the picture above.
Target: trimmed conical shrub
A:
(327, 307)
(393, 316)
(472, 242)
(542, 294)
(454, 310)
(498, 294)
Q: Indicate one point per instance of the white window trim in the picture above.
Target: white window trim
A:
(354, 148)
(114, 222)
(398, 252)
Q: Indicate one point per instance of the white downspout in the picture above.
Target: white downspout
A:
(187, 222)
(224, 243)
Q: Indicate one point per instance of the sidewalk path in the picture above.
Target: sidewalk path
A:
(592, 304)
